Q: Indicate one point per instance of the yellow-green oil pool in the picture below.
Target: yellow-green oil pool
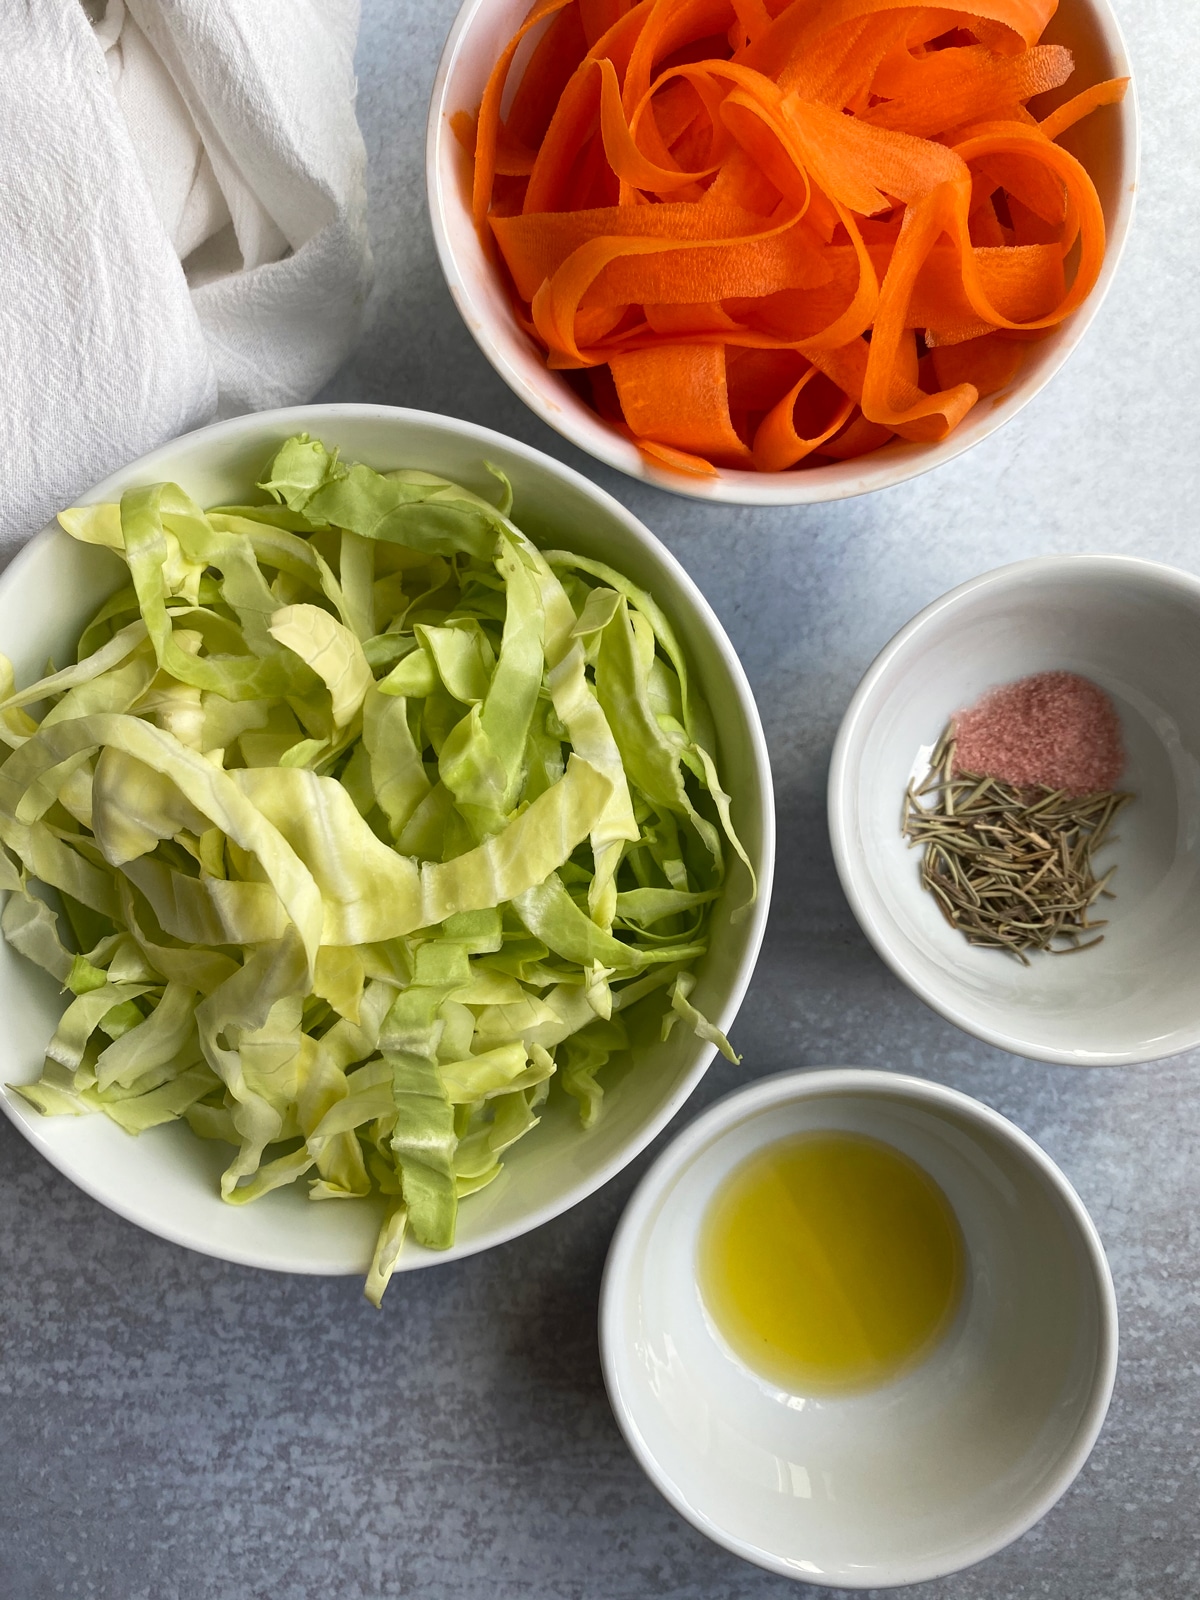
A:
(830, 1262)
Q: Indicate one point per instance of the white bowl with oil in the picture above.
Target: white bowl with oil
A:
(1131, 626)
(908, 1479)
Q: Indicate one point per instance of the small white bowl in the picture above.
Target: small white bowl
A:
(1107, 144)
(166, 1180)
(1134, 628)
(903, 1483)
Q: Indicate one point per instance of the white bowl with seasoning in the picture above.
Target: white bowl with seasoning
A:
(908, 1479)
(1133, 628)
(168, 1181)
(1107, 144)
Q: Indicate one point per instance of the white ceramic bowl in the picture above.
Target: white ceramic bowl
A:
(166, 1179)
(1107, 143)
(1134, 628)
(902, 1483)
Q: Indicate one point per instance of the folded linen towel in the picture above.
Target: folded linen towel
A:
(182, 226)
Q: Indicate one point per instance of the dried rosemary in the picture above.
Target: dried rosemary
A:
(1011, 868)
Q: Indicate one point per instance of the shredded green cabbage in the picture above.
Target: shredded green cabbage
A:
(369, 822)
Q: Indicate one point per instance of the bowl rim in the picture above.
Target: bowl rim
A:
(854, 871)
(822, 1083)
(312, 415)
(819, 485)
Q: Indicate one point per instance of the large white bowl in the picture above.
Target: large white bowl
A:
(1134, 628)
(918, 1477)
(167, 1180)
(1107, 144)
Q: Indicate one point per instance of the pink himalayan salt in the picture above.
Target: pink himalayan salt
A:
(1054, 729)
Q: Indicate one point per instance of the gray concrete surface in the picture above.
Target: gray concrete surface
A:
(172, 1428)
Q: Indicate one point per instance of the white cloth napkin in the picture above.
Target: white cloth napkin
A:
(182, 226)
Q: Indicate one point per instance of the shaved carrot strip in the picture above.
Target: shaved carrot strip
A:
(753, 18)
(1021, 283)
(858, 438)
(595, 323)
(488, 122)
(985, 227)
(670, 24)
(947, 88)
(681, 320)
(624, 157)
(847, 366)
(890, 394)
(464, 126)
(764, 142)
(677, 460)
(744, 179)
(841, 63)
(557, 301)
(693, 82)
(797, 27)
(777, 445)
(738, 215)
(1029, 182)
(672, 106)
(1080, 189)
(758, 267)
(559, 51)
(757, 379)
(1108, 93)
(535, 245)
(989, 363)
(598, 16)
(676, 395)
(575, 119)
(590, 182)
(578, 108)
(853, 161)
(604, 395)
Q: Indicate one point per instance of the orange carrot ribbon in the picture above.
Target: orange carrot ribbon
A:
(785, 231)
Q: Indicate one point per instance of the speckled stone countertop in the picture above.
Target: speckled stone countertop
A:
(177, 1429)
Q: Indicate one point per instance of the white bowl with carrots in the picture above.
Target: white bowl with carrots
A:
(781, 264)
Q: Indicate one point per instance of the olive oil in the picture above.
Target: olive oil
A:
(830, 1262)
